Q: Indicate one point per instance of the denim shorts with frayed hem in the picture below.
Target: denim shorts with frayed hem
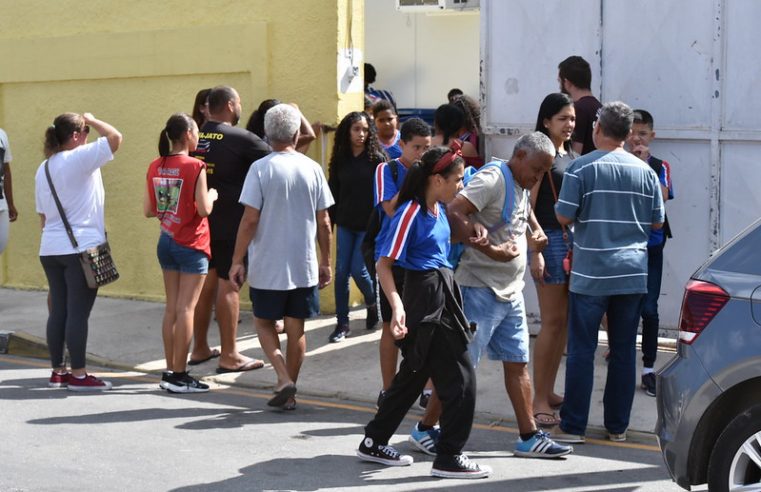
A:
(553, 254)
(178, 258)
(501, 328)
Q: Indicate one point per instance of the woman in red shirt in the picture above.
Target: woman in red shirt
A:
(176, 193)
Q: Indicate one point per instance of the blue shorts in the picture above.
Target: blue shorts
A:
(300, 303)
(553, 256)
(501, 331)
(178, 258)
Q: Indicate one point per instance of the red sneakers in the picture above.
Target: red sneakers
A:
(58, 380)
(88, 383)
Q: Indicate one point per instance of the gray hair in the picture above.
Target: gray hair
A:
(535, 142)
(615, 120)
(281, 122)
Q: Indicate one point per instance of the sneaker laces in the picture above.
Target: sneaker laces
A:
(388, 450)
(464, 462)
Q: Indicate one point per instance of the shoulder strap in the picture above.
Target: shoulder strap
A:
(555, 196)
(394, 165)
(60, 208)
(507, 209)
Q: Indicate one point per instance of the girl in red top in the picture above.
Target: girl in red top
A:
(176, 193)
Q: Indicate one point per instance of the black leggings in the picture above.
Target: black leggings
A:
(71, 302)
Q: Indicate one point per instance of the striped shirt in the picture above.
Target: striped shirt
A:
(418, 239)
(613, 198)
(385, 188)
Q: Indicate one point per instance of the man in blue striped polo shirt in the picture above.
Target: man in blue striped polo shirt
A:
(614, 200)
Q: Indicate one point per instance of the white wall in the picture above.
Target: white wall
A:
(419, 57)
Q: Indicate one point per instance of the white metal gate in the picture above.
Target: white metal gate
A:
(693, 64)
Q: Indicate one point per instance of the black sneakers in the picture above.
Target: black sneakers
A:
(371, 322)
(648, 383)
(182, 382)
(165, 375)
(458, 466)
(381, 453)
(339, 333)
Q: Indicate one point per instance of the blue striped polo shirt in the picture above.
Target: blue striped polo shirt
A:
(613, 198)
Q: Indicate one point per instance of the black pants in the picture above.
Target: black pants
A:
(71, 302)
(448, 365)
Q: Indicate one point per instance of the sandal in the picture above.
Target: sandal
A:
(544, 419)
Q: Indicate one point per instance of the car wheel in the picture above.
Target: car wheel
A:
(735, 463)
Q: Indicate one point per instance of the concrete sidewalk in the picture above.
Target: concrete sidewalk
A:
(126, 334)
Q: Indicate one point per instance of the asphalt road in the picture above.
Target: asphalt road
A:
(139, 438)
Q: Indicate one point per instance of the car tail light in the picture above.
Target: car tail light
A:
(702, 301)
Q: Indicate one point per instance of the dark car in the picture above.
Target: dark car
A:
(709, 394)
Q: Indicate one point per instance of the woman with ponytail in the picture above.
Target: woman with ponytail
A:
(428, 320)
(176, 193)
(73, 166)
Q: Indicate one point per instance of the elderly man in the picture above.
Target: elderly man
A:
(286, 199)
(615, 200)
(490, 273)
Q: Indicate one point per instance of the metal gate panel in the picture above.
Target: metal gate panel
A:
(742, 74)
(650, 62)
(740, 177)
(521, 51)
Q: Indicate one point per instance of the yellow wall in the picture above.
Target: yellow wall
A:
(134, 63)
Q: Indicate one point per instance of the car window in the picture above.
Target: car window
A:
(742, 255)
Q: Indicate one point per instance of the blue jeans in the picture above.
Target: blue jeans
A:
(501, 330)
(584, 317)
(349, 261)
(650, 319)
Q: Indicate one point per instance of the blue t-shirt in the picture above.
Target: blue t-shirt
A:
(613, 198)
(418, 239)
(657, 236)
(394, 150)
(384, 189)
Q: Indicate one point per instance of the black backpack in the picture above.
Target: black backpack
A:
(374, 224)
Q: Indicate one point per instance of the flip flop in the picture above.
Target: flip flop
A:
(214, 354)
(246, 366)
(544, 419)
(281, 397)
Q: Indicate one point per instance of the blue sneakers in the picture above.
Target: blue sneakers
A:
(425, 441)
(541, 446)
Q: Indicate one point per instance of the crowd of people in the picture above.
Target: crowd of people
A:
(580, 203)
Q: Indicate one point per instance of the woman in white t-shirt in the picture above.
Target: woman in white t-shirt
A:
(74, 167)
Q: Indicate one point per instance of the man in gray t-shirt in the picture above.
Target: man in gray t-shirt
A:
(286, 199)
(490, 273)
(615, 200)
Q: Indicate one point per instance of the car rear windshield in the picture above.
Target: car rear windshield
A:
(743, 255)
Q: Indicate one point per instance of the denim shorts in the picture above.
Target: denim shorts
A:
(553, 256)
(501, 330)
(300, 303)
(175, 257)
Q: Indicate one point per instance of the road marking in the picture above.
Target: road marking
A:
(250, 392)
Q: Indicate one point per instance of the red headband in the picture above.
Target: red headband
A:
(455, 151)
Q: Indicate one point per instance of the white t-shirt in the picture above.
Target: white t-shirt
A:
(4, 145)
(77, 180)
(288, 188)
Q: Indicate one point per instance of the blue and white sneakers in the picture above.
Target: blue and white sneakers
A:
(425, 441)
(541, 446)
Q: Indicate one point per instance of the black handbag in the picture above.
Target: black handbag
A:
(97, 262)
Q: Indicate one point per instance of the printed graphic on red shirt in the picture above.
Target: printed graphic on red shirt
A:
(167, 191)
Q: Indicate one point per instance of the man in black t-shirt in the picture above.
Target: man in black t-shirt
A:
(228, 153)
(575, 78)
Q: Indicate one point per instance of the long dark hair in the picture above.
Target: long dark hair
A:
(256, 121)
(416, 181)
(175, 128)
(448, 119)
(57, 134)
(552, 105)
(472, 111)
(342, 152)
(201, 100)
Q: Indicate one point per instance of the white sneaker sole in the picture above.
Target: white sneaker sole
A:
(184, 389)
(420, 446)
(57, 385)
(530, 454)
(484, 472)
(89, 389)
(404, 460)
